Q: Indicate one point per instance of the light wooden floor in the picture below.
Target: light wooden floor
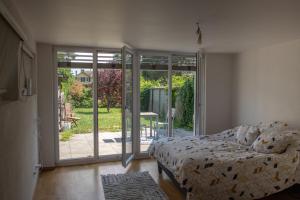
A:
(84, 183)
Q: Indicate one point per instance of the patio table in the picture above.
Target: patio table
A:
(150, 115)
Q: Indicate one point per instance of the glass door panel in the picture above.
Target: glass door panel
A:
(183, 95)
(109, 90)
(75, 105)
(153, 99)
(127, 106)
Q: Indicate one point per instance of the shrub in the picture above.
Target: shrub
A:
(67, 80)
(185, 105)
(145, 88)
(76, 90)
(87, 99)
(81, 96)
(144, 99)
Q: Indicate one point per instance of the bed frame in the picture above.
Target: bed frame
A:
(162, 168)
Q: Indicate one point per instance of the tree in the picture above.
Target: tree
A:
(110, 87)
(66, 80)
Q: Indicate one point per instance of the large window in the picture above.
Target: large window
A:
(75, 105)
(183, 95)
(153, 99)
(109, 100)
(97, 101)
(157, 113)
(80, 111)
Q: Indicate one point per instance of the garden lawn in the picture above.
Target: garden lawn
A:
(108, 122)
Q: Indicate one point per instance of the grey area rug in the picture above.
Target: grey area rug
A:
(131, 186)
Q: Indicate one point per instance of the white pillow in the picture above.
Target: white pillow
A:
(295, 134)
(246, 135)
(272, 141)
(272, 125)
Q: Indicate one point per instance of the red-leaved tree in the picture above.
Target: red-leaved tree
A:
(110, 87)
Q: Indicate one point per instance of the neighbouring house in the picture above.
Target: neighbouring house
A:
(85, 77)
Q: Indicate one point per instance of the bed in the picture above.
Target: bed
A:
(217, 167)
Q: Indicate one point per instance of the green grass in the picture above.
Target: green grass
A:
(107, 122)
(66, 135)
(110, 121)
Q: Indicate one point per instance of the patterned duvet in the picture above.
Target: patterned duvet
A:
(217, 168)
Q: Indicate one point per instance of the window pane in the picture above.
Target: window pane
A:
(74, 57)
(183, 94)
(154, 62)
(153, 100)
(183, 60)
(109, 100)
(75, 113)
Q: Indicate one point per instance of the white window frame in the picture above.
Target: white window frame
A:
(199, 123)
(200, 74)
(96, 157)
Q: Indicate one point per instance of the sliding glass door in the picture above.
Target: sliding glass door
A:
(183, 95)
(89, 105)
(113, 103)
(75, 105)
(109, 102)
(168, 96)
(127, 106)
(153, 99)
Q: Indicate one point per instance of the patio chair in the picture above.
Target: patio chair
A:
(70, 116)
(164, 125)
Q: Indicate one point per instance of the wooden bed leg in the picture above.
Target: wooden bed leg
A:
(159, 168)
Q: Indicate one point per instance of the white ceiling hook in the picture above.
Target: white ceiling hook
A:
(199, 33)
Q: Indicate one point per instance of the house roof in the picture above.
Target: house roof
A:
(87, 73)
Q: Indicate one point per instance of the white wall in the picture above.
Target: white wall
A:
(45, 104)
(266, 85)
(219, 69)
(19, 135)
(18, 149)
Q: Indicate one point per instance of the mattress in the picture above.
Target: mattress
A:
(217, 168)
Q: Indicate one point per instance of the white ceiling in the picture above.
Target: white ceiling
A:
(228, 25)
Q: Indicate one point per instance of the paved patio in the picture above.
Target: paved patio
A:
(82, 145)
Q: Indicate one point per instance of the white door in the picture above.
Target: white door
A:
(127, 105)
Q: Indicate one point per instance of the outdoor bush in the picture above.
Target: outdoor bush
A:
(174, 96)
(180, 83)
(76, 90)
(87, 99)
(178, 80)
(145, 87)
(144, 98)
(81, 96)
(185, 105)
(67, 80)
